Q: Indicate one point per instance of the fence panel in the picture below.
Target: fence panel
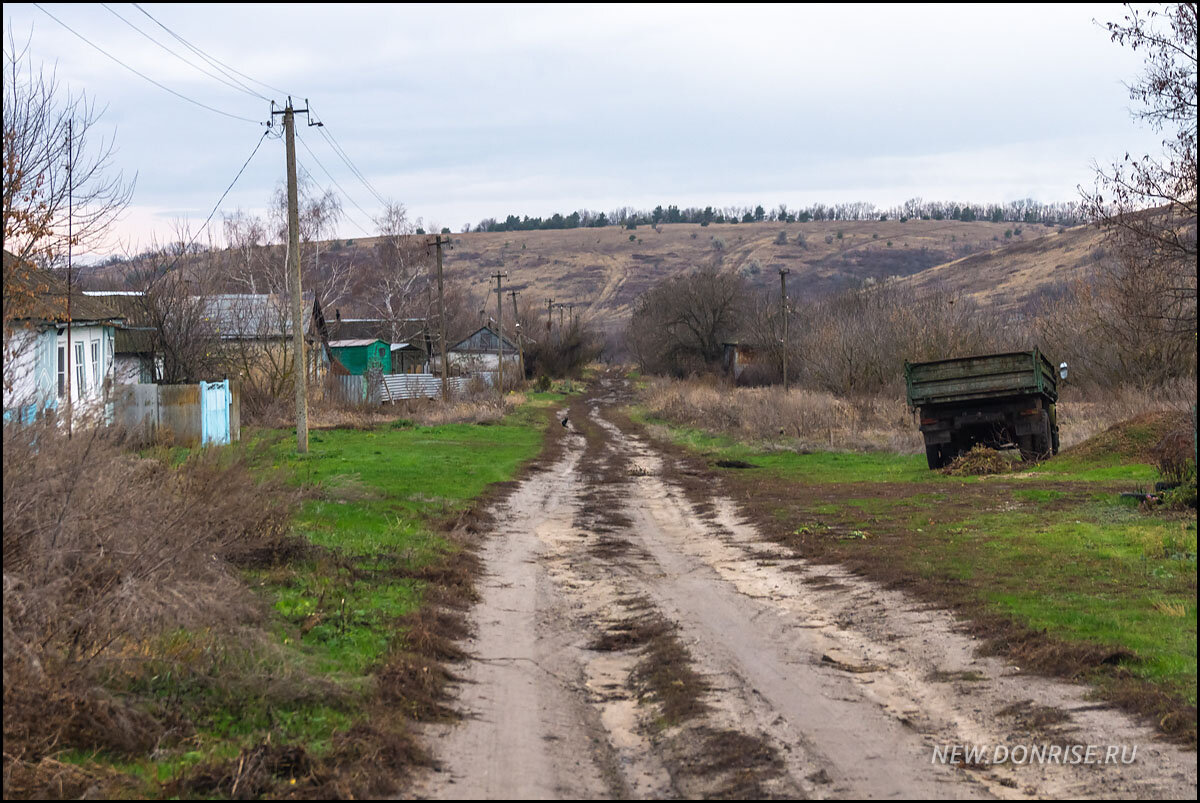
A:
(397, 387)
(184, 414)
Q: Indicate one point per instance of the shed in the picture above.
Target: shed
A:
(409, 358)
(358, 355)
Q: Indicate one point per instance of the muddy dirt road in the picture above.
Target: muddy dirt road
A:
(629, 643)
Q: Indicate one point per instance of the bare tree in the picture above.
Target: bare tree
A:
(1147, 204)
(679, 325)
(37, 152)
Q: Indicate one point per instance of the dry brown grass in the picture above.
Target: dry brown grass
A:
(104, 553)
(815, 420)
(1082, 416)
(799, 419)
(479, 407)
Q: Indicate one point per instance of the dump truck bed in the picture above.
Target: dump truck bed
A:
(990, 376)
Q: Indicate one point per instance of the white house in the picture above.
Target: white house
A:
(480, 354)
(48, 363)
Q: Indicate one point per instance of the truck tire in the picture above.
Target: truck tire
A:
(933, 456)
(1039, 444)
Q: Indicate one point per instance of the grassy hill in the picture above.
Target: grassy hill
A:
(603, 271)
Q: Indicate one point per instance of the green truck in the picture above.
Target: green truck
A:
(998, 400)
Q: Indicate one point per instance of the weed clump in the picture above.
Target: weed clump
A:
(979, 461)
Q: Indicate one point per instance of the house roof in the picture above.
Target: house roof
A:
(352, 343)
(484, 341)
(33, 294)
(245, 316)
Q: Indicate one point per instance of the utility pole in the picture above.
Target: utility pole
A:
(571, 313)
(783, 272)
(517, 326)
(70, 236)
(561, 305)
(549, 317)
(499, 334)
(299, 364)
(439, 242)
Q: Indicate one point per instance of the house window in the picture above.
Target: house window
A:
(80, 370)
(62, 371)
(95, 363)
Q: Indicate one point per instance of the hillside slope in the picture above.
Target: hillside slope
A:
(603, 271)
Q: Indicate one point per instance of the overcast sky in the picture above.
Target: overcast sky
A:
(469, 112)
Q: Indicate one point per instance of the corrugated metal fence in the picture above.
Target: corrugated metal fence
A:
(420, 386)
(395, 387)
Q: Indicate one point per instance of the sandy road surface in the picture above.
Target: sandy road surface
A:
(814, 683)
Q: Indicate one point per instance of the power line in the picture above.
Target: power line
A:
(140, 74)
(311, 178)
(336, 184)
(219, 202)
(337, 148)
(212, 60)
(238, 87)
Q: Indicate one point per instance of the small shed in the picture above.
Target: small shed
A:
(409, 358)
(359, 355)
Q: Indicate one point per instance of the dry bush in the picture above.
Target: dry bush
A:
(857, 342)
(805, 418)
(103, 553)
(472, 409)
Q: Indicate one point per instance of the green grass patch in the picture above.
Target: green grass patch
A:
(375, 500)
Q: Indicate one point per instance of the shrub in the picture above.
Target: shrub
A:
(632, 237)
(107, 554)
(781, 238)
(828, 239)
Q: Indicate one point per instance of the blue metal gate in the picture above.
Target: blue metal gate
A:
(215, 399)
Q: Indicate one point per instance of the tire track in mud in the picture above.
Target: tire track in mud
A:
(629, 643)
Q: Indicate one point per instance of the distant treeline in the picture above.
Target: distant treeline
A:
(1026, 211)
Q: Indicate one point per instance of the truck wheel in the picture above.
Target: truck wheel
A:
(1038, 444)
(933, 456)
(1054, 440)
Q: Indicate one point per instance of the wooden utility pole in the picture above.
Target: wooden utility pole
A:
(517, 326)
(549, 316)
(499, 334)
(439, 242)
(783, 272)
(70, 236)
(299, 364)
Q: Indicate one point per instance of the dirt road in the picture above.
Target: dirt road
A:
(629, 643)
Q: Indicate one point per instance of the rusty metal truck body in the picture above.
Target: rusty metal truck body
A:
(998, 400)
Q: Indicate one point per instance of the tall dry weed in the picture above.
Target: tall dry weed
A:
(104, 551)
(800, 418)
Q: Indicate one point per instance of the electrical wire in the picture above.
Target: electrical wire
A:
(238, 87)
(336, 184)
(212, 60)
(337, 148)
(310, 177)
(218, 204)
(143, 75)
